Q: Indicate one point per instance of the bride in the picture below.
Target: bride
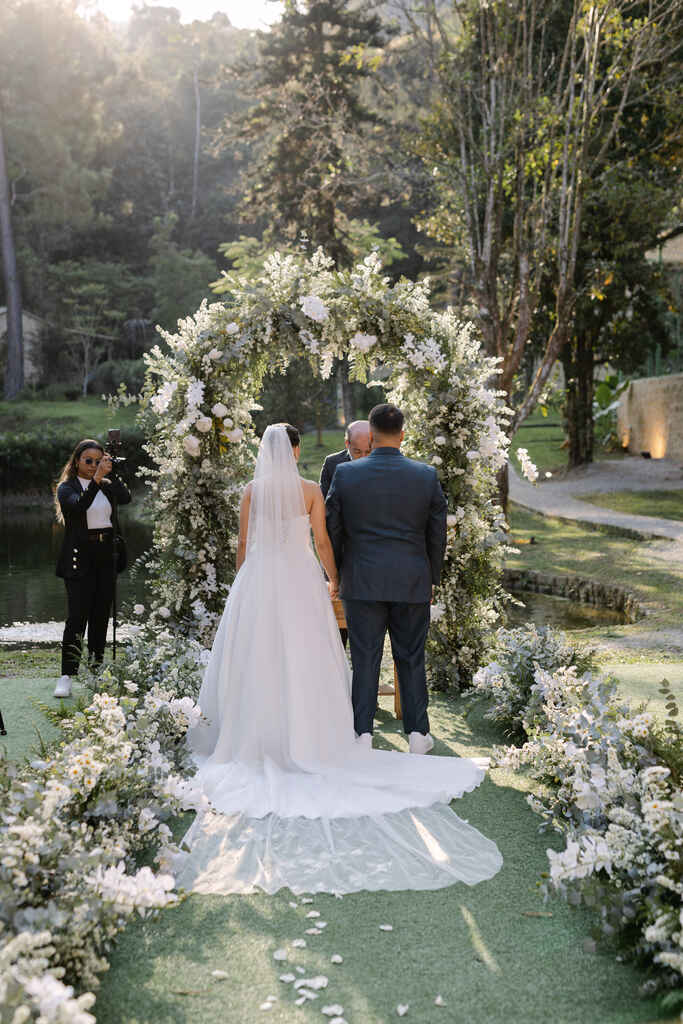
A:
(294, 799)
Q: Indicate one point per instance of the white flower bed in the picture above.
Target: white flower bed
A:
(73, 820)
(611, 781)
(204, 382)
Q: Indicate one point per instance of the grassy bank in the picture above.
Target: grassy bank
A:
(87, 417)
(663, 504)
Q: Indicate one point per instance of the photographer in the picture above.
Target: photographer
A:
(87, 496)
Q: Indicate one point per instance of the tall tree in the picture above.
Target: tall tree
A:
(533, 95)
(14, 371)
(311, 129)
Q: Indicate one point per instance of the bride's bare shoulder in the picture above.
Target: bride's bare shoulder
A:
(311, 488)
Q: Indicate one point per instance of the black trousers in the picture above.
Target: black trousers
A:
(408, 624)
(89, 600)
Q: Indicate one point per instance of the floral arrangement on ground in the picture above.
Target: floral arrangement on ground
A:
(76, 819)
(202, 385)
(611, 784)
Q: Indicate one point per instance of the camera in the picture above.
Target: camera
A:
(114, 446)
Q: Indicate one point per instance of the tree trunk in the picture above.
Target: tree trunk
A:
(14, 373)
(197, 138)
(503, 488)
(578, 367)
(344, 392)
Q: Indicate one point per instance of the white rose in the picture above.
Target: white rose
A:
(363, 342)
(219, 410)
(227, 423)
(235, 435)
(215, 353)
(436, 460)
(203, 424)
(138, 609)
(232, 328)
(315, 308)
(451, 520)
(440, 440)
(191, 445)
(164, 612)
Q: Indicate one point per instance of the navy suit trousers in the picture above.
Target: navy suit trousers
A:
(408, 624)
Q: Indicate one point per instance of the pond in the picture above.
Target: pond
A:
(549, 610)
(29, 545)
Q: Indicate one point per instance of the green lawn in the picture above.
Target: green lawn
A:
(663, 504)
(312, 456)
(543, 438)
(495, 952)
(86, 416)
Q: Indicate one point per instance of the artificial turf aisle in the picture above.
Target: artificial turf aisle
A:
(482, 949)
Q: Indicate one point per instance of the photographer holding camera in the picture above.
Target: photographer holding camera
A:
(87, 496)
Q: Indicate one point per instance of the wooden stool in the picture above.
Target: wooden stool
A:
(340, 616)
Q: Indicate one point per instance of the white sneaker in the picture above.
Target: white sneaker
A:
(420, 744)
(63, 687)
(365, 740)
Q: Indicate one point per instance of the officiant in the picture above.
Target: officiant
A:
(87, 496)
(356, 446)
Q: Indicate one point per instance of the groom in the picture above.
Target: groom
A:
(386, 517)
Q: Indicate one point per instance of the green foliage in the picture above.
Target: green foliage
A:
(179, 278)
(31, 460)
(110, 375)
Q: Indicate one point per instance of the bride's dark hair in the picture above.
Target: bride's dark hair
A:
(293, 434)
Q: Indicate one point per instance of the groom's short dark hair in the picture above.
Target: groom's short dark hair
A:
(386, 419)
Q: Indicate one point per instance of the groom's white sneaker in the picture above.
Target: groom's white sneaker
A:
(63, 687)
(420, 744)
(365, 740)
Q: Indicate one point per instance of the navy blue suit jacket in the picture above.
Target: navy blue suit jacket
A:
(386, 517)
(329, 466)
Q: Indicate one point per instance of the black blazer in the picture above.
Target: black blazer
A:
(386, 517)
(329, 466)
(74, 503)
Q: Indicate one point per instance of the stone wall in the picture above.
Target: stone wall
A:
(650, 417)
(600, 595)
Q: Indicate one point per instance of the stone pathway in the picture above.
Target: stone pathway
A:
(557, 498)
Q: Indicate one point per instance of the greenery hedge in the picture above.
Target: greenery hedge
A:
(32, 460)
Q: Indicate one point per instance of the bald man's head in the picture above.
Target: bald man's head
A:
(357, 439)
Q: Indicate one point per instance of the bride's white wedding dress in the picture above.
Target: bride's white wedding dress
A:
(295, 801)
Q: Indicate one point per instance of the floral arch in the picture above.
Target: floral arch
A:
(196, 412)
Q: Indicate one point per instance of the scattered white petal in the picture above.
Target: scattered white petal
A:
(219, 975)
(300, 970)
(333, 1011)
(320, 981)
(300, 1001)
(321, 924)
(299, 943)
(293, 905)
(272, 999)
(266, 1006)
(307, 994)
(386, 927)
(338, 896)
(313, 931)
(402, 1009)
(336, 959)
(337, 1020)
(280, 954)
(287, 978)
(439, 1001)
(307, 899)
(313, 913)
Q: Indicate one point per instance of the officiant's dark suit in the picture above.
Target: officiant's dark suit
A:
(329, 466)
(386, 517)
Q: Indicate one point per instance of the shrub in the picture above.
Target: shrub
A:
(109, 375)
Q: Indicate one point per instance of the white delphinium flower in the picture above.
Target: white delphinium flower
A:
(162, 399)
(195, 393)
(235, 435)
(138, 609)
(232, 328)
(314, 308)
(436, 612)
(215, 353)
(528, 468)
